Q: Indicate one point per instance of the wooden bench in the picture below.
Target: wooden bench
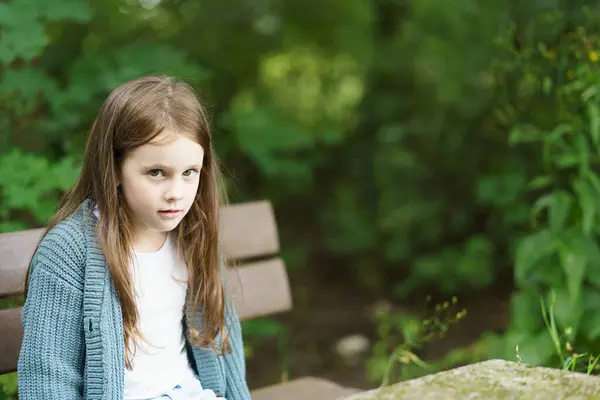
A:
(259, 287)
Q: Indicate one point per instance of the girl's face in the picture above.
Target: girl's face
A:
(159, 181)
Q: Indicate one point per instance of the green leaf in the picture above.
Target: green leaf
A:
(574, 261)
(559, 210)
(591, 325)
(66, 173)
(590, 320)
(261, 328)
(546, 85)
(65, 10)
(542, 203)
(28, 87)
(558, 204)
(501, 189)
(524, 134)
(530, 251)
(584, 154)
(8, 384)
(589, 93)
(594, 181)
(568, 160)
(331, 136)
(475, 264)
(592, 251)
(24, 43)
(24, 189)
(24, 25)
(558, 132)
(594, 116)
(525, 310)
(540, 182)
(12, 226)
(271, 140)
(588, 201)
(567, 311)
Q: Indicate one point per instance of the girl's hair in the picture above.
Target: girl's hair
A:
(132, 115)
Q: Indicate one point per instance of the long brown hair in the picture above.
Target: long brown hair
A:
(132, 115)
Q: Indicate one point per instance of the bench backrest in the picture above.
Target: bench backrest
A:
(259, 284)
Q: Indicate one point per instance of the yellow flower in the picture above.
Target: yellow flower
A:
(593, 56)
(551, 54)
(568, 330)
(570, 75)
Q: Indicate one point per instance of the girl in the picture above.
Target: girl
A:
(125, 296)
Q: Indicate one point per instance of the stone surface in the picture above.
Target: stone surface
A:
(494, 379)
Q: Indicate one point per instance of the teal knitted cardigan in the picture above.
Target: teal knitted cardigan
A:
(73, 343)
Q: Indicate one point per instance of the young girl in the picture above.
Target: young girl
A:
(125, 297)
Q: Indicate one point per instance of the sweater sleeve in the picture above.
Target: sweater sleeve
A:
(235, 364)
(51, 359)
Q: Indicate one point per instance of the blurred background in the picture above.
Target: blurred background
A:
(433, 165)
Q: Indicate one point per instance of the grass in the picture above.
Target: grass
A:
(570, 362)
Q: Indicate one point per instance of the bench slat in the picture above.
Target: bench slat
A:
(16, 249)
(302, 389)
(246, 283)
(260, 288)
(11, 333)
(247, 230)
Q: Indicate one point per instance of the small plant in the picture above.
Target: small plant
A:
(401, 334)
(8, 386)
(256, 331)
(568, 358)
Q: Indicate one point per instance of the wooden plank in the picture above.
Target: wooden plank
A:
(16, 249)
(260, 288)
(11, 333)
(257, 289)
(302, 389)
(247, 230)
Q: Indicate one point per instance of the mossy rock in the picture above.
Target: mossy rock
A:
(494, 379)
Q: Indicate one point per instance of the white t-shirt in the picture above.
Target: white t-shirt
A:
(160, 361)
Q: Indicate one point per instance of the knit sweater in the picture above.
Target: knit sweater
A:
(73, 342)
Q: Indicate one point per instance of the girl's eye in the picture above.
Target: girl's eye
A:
(190, 172)
(155, 173)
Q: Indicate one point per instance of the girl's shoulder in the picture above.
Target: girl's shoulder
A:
(70, 232)
(63, 249)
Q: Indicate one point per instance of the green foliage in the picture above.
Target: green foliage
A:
(521, 115)
(257, 330)
(569, 360)
(31, 183)
(416, 189)
(8, 386)
(49, 104)
(400, 335)
(23, 21)
(560, 254)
